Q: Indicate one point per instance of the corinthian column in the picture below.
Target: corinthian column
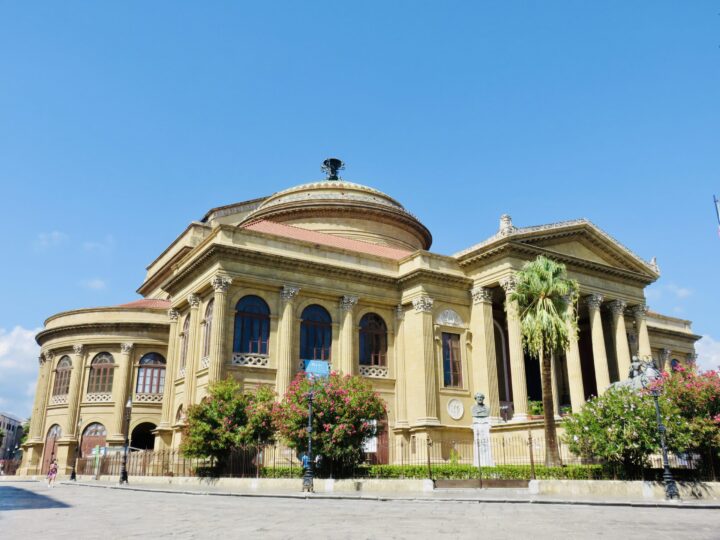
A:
(347, 334)
(484, 362)
(421, 347)
(665, 365)
(192, 353)
(602, 373)
(285, 340)
(574, 368)
(170, 370)
(517, 357)
(640, 314)
(400, 373)
(622, 349)
(221, 284)
(38, 416)
(120, 383)
(74, 392)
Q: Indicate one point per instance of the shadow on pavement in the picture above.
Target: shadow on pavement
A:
(12, 498)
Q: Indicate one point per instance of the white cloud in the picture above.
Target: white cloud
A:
(104, 246)
(708, 350)
(45, 241)
(95, 284)
(679, 292)
(18, 369)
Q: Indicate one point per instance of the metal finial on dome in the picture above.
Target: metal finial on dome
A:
(331, 166)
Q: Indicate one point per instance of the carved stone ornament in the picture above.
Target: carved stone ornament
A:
(455, 409)
(126, 348)
(289, 293)
(481, 295)
(194, 300)
(173, 314)
(617, 307)
(594, 301)
(221, 283)
(399, 312)
(509, 284)
(449, 318)
(506, 225)
(423, 304)
(347, 303)
(640, 311)
(78, 349)
(665, 355)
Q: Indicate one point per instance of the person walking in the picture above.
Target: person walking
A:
(52, 473)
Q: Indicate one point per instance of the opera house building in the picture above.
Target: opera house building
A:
(342, 273)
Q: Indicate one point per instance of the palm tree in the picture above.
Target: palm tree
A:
(546, 301)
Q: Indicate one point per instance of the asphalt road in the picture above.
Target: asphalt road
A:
(31, 510)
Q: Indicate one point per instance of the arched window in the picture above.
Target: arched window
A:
(93, 435)
(151, 374)
(252, 326)
(315, 334)
(184, 338)
(208, 328)
(373, 340)
(62, 377)
(102, 368)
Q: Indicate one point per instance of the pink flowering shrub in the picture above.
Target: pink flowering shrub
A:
(343, 408)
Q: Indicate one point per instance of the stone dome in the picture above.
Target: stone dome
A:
(348, 210)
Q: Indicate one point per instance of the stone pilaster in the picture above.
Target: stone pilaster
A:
(640, 315)
(422, 350)
(191, 362)
(602, 372)
(574, 369)
(347, 335)
(38, 416)
(401, 420)
(517, 356)
(170, 371)
(121, 386)
(285, 340)
(622, 348)
(665, 359)
(74, 393)
(218, 357)
(484, 362)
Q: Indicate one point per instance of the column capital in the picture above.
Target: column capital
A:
(126, 348)
(288, 293)
(221, 284)
(617, 307)
(193, 300)
(509, 284)
(399, 312)
(639, 311)
(77, 349)
(348, 303)
(481, 295)
(665, 354)
(423, 304)
(173, 314)
(594, 301)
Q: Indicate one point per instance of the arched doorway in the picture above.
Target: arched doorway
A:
(377, 449)
(142, 437)
(93, 435)
(50, 448)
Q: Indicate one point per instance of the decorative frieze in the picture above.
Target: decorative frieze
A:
(288, 293)
(194, 300)
(148, 398)
(380, 372)
(481, 295)
(594, 301)
(348, 303)
(221, 283)
(423, 304)
(250, 359)
(99, 397)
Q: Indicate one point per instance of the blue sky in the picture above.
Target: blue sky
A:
(120, 123)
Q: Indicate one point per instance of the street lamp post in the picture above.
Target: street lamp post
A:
(309, 462)
(123, 469)
(671, 490)
(73, 473)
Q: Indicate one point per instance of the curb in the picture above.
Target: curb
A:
(381, 498)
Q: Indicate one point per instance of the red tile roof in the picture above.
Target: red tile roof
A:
(315, 237)
(147, 303)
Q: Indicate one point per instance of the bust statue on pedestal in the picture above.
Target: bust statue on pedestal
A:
(482, 450)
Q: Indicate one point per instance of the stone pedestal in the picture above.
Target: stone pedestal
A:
(482, 450)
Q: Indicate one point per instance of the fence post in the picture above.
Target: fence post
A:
(429, 446)
(532, 456)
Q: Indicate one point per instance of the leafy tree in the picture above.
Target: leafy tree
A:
(343, 410)
(546, 308)
(25, 432)
(227, 419)
(2, 437)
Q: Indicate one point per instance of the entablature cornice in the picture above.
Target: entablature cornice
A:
(423, 275)
(118, 331)
(692, 338)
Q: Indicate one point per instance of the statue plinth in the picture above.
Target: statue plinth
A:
(482, 449)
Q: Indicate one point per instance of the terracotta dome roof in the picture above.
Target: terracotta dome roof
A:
(147, 303)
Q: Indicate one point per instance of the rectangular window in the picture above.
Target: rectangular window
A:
(452, 366)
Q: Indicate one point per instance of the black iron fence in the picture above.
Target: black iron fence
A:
(516, 456)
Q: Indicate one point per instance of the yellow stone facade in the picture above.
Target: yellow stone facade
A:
(352, 250)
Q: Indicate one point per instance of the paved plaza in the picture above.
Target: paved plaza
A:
(31, 510)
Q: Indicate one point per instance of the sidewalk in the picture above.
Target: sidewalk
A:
(491, 496)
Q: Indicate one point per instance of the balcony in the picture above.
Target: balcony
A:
(148, 397)
(377, 372)
(98, 397)
(251, 359)
(59, 400)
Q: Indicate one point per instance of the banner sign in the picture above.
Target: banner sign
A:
(316, 368)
